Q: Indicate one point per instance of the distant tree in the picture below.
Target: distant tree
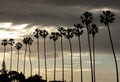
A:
(107, 18)
(18, 46)
(4, 43)
(61, 33)
(93, 30)
(35, 78)
(69, 34)
(44, 34)
(36, 35)
(87, 20)
(54, 36)
(78, 31)
(11, 42)
(21, 77)
(29, 44)
(16, 76)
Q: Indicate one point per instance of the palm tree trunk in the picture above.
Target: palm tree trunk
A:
(18, 61)
(90, 54)
(94, 58)
(54, 60)
(45, 60)
(71, 61)
(11, 59)
(115, 59)
(4, 53)
(24, 60)
(30, 61)
(80, 59)
(62, 60)
(38, 56)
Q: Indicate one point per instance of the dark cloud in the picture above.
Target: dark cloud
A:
(61, 13)
(49, 12)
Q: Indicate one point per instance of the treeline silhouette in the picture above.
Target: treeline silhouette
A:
(86, 22)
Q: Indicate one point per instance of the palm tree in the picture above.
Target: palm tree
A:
(29, 44)
(107, 18)
(11, 42)
(87, 19)
(93, 30)
(36, 35)
(4, 43)
(18, 46)
(25, 41)
(44, 34)
(61, 33)
(54, 37)
(69, 34)
(78, 32)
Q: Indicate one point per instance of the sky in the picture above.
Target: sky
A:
(19, 18)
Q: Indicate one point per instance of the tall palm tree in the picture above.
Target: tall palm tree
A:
(4, 43)
(93, 30)
(25, 41)
(78, 31)
(69, 34)
(61, 33)
(87, 19)
(54, 37)
(11, 42)
(44, 34)
(107, 18)
(36, 35)
(18, 46)
(29, 44)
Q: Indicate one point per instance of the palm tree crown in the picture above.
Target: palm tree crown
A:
(62, 31)
(29, 42)
(43, 33)
(69, 33)
(36, 33)
(107, 17)
(93, 30)
(18, 45)
(25, 40)
(78, 29)
(4, 42)
(54, 36)
(87, 18)
(11, 42)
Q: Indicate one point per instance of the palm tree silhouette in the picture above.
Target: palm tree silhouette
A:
(93, 30)
(11, 42)
(4, 43)
(107, 18)
(25, 41)
(18, 46)
(78, 32)
(29, 44)
(54, 37)
(36, 35)
(61, 33)
(69, 34)
(44, 34)
(87, 19)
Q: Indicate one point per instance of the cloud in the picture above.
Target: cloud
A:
(19, 21)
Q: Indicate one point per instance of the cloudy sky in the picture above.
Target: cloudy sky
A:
(19, 18)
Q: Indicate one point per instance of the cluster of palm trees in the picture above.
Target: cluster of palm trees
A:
(92, 29)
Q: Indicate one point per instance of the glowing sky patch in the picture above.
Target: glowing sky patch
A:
(105, 9)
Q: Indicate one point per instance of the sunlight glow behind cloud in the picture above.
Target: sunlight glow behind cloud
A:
(9, 30)
(105, 9)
